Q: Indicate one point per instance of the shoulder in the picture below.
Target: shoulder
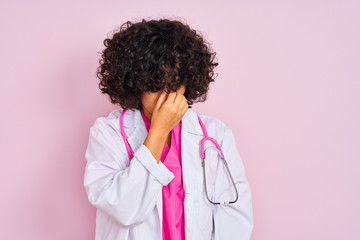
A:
(211, 121)
(109, 123)
(215, 127)
(111, 119)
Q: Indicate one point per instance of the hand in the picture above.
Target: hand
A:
(169, 110)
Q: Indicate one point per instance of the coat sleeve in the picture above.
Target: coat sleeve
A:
(233, 221)
(127, 194)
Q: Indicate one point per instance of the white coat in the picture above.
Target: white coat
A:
(128, 194)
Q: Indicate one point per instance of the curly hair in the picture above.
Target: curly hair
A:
(139, 56)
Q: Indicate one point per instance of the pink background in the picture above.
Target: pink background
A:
(288, 70)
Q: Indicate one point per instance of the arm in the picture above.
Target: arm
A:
(234, 221)
(127, 194)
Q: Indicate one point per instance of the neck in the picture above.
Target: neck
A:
(147, 114)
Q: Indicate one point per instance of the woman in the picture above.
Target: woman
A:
(144, 171)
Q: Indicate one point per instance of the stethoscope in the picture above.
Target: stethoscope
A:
(128, 148)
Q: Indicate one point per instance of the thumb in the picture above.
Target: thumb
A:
(160, 100)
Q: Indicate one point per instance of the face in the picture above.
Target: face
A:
(149, 100)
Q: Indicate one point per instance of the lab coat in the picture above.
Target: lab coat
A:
(128, 194)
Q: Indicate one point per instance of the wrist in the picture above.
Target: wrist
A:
(160, 134)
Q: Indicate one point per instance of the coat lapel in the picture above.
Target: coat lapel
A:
(191, 136)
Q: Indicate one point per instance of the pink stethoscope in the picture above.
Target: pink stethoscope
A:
(128, 148)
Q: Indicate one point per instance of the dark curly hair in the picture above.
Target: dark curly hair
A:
(139, 56)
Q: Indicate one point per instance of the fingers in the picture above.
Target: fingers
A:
(175, 97)
(171, 96)
(181, 102)
(183, 105)
(160, 100)
(182, 89)
(180, 95)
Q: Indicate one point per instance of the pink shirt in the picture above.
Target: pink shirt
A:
(173, 194)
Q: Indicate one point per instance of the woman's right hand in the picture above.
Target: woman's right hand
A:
(169, 111)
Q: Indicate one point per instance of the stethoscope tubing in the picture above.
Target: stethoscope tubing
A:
(128, 148)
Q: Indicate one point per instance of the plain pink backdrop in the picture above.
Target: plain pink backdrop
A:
(289, 70)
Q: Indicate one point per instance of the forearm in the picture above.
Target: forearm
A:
(155, 141)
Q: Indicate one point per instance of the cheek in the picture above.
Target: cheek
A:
(150, 99)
